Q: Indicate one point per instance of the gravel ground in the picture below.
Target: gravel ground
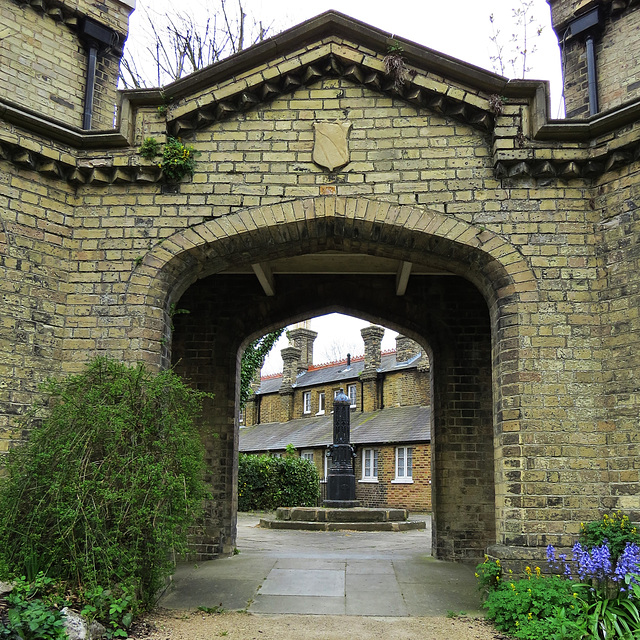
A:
(172, 625)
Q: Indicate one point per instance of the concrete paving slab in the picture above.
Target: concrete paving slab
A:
(303, 582)
(310, 563)
(228, 594)
(368, 568)
(303, 605)
(382, 573)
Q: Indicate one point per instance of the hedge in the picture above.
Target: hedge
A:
(266, 482)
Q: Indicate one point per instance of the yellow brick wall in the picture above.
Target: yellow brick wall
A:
(405, 388)
(34, 257)
(617, 58)
(43, 63)
(415, 496)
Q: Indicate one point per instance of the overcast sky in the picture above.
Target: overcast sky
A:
(460, 28)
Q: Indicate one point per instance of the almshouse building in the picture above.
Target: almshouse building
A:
(453, 209)
(390, 416)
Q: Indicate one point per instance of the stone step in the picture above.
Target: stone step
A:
(356, 514)
(406, 525)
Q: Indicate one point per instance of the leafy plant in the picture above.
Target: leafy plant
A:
(596, 596)
(610, 587)
(109, 482)
(252, 359)
(265, 482)
(178, 160)
(520, 606)
(614, 529)
(150, 148)
(488, 574)
(114, 612)
(33, 618)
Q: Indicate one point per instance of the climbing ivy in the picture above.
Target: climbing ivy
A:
(252, 360)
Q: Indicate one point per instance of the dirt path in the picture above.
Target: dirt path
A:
(172, 625)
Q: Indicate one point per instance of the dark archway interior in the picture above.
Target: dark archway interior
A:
(445, 311)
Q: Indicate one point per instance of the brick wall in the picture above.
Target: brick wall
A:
(49, 74)
(414, 496)
(617, 57)
(34, 284)
(404, 388)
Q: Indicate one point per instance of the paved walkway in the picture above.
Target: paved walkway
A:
(320, 572)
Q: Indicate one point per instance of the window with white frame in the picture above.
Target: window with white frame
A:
(370, 465)
(306, 402)
(307, 455)
(352, 393)
(404, 464)
(320, 403)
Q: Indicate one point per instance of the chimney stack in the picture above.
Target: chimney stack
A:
(372, 337)
(303, 340)
(406, 348)
(290, 359)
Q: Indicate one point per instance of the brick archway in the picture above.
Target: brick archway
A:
(478, 308)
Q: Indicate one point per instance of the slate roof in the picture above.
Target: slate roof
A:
(390, 425)
(337, 372)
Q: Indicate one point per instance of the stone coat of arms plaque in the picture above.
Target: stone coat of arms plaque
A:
(331, 147)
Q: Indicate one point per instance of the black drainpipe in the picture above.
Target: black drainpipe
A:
(592, 76)
(361, 396)
(589, 24)
(90, 87)
(95, 37)
(259, 401)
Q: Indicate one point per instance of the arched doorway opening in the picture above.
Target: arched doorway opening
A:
(333, 254)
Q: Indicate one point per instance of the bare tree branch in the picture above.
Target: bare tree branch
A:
(177, 44)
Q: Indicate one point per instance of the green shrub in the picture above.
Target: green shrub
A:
(33, 618)
(108, 483)
(265, 482)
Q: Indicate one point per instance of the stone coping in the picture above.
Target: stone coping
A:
(336, 515)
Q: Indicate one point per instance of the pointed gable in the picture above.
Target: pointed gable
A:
(331, 45)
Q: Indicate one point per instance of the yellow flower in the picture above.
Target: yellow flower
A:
(513, 586)
(530, 615)
(538, 572)
(477, 575)
(517, 623)
(497, 578)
